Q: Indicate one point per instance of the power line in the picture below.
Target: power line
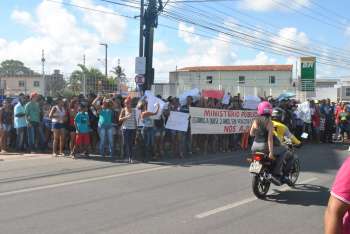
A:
(254, 40)
(257, 44)
(223, 29)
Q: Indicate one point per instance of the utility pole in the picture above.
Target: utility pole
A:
(106, 59)
(43, 72)
(84, 78)
(142, 9)
(151, 22)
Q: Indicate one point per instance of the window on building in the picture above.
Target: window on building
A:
(209, 79)
(241, 79)
(21, 83)
(36, 83)
(347, 92)
(272, 80)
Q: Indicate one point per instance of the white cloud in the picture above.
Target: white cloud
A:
(22, 17)
(290, 37)
(110, 27)
(186, 33)
(205, 52)
(260, 59)
(160, 47)
(58, 32)
(347, 31)
(268, 5)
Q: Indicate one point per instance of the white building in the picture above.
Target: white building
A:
(257, 80)
(12, 85)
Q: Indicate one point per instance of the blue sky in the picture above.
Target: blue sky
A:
(66, 33)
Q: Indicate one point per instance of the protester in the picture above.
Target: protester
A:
(38, 126)
(105, 127)
(128, 119)
(58, 116)
(147, 129)
(6, 119)
(72, 112)
(32, 110)
(186, 138)
(82, 125)
(20, 124)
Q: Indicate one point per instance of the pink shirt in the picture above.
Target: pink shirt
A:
(341, 190)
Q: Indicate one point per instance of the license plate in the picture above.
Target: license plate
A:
(255, 167)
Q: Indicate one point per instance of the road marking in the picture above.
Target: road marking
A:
(243, 202)
(81, 181)
(51, 186)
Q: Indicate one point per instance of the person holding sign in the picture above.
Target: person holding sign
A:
(148, 128)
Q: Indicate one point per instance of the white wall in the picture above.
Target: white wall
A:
(256, 82)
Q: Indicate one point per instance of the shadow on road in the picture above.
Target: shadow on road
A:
(303, 195)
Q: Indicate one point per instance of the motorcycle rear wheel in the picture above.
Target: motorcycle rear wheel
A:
(260, 186)
(294, 173)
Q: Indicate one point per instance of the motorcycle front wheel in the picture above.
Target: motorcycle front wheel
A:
(260, 186)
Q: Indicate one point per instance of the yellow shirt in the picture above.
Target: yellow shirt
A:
(281, 131)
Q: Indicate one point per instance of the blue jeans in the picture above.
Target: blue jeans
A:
(128, 140)
(186, 142)
(103, 132)
(148, 141)
(34, 132)
(21, 132)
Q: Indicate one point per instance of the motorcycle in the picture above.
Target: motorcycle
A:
(261, 168)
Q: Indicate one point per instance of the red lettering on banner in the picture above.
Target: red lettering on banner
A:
(229, 129)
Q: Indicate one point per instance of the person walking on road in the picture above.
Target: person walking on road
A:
(337, 215)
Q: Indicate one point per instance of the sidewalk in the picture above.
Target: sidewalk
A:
(16, 156)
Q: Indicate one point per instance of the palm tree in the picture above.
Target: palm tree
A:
(119, 74)
(93, 77)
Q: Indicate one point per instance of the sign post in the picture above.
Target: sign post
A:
(308, 74)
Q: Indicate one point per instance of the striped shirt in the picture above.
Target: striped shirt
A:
(129, 123)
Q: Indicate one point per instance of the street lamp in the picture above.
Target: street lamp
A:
(106, 49)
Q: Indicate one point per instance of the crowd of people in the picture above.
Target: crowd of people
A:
(109, 126)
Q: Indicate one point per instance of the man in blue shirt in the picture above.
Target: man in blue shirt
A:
(20, 123)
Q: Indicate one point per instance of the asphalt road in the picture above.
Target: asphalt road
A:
(204, 194)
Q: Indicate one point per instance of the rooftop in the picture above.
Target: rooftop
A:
(238, 68)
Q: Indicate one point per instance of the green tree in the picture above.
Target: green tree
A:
(94, 78)
(119, 75)
(14, 67)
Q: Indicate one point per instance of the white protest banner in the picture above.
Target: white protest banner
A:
(226, 99)
(152, 104)
(217, 121)
(251, 102)
(194, 93)
(177, 121)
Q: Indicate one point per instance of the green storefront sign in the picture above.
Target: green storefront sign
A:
(308, 74)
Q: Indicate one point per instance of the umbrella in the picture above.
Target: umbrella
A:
(285, 96)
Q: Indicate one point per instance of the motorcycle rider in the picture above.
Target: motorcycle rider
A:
(280, 129)
(282, 132)
(264, 141)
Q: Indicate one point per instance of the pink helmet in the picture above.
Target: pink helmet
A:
(265, 108)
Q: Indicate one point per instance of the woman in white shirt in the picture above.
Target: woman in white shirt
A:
(58, 114)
